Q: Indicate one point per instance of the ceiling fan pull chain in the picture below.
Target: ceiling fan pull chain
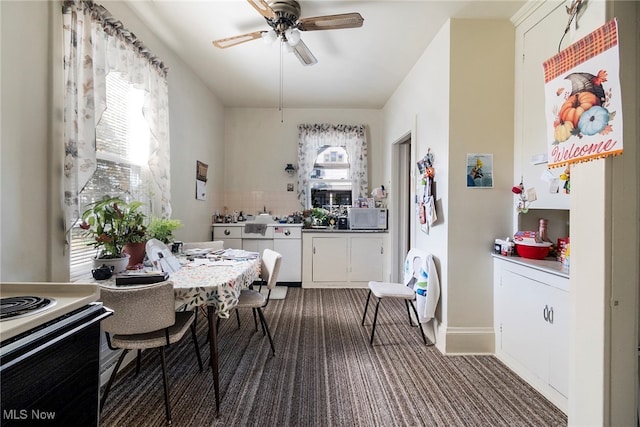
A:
(281, 101)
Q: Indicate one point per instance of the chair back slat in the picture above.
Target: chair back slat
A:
(139, 310)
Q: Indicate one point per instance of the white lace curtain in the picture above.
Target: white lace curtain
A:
(351, 137)
(94, 44)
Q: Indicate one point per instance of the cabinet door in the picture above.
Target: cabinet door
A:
(524, 330)
(291, 265)
(329, 259)
(558, 344)
(531, 128)
(366, 256)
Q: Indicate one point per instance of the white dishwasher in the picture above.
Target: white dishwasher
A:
(287, 240)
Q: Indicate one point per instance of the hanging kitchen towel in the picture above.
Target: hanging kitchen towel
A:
(427, 290)
(430, 205)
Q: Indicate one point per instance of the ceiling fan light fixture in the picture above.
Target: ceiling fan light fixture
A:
(293, 36)
(269, 36)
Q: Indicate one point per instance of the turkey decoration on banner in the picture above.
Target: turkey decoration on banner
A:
(583, 103)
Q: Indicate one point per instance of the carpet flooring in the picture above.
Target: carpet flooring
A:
(325, 373)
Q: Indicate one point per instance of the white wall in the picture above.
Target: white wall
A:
(31, 244)
(259, 144)
(24, 140)
(460, 97)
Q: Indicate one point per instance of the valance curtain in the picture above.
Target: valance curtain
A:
(95, 44)
(351, 137)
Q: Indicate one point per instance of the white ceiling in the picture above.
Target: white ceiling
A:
(357, 68)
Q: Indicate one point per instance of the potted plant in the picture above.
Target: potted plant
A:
(162, 229)
(113, 223)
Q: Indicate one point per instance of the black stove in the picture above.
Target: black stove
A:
(24, 305)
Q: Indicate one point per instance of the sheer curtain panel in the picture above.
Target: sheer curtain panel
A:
(95, 44)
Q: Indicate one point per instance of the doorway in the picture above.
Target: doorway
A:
(401, 173)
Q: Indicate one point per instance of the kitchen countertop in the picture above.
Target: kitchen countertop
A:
(336, 230)
(243, 223)
(548, 265)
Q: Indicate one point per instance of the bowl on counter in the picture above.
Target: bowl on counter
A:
(533, 250)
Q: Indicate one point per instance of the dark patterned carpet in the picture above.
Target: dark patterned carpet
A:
(325, 373)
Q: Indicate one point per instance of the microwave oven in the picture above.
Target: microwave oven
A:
(367, 219)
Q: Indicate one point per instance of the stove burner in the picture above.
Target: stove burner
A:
(14, 307)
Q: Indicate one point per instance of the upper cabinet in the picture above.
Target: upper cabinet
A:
(537, 38)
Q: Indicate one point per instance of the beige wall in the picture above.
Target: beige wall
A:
(259, 142)
(457, 111)
(24, 141)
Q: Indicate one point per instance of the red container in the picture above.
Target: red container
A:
(538, 251)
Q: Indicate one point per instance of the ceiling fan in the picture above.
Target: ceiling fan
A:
(283, 16)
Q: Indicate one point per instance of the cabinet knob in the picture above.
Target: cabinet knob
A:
(227, 232)
(550, 320)
(287, 232)
(545, 313)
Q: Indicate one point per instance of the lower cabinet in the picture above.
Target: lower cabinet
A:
(342, 259)
(532, 326)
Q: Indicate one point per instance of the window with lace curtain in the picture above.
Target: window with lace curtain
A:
(332, 165)
(122, 150)
(330, 183)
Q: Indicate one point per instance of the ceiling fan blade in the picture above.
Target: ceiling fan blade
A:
(263, 8)
(304, 54)
(331, 22)
(236, 40)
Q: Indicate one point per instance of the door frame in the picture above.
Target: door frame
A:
(403, 192)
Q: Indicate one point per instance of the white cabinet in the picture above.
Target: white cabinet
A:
(287, 241)
(342, 259)
(532, 324)
(329, 259)
(366, 255)
(231, 234)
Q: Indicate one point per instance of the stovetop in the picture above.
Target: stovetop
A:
(67, 296)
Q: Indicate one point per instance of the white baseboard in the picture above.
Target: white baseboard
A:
(468, 340)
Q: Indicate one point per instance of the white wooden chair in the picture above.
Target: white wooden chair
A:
(400, 291)
(254, 299)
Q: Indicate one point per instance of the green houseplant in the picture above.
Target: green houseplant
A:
(113, 224)
(163, 228)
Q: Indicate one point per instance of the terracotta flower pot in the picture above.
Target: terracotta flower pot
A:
(136, 252)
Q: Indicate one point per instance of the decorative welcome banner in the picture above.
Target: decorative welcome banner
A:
(583, 103)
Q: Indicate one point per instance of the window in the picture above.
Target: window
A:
(330, 185)
(122, 150)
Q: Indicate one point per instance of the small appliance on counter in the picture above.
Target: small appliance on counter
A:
(367, 219)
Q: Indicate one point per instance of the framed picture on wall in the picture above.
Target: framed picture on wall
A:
(479, 170)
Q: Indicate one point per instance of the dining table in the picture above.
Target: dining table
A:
(211, 283)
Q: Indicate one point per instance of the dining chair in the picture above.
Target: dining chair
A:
(144, 317)
(416, 280)
(254, 299)
(213, 245)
